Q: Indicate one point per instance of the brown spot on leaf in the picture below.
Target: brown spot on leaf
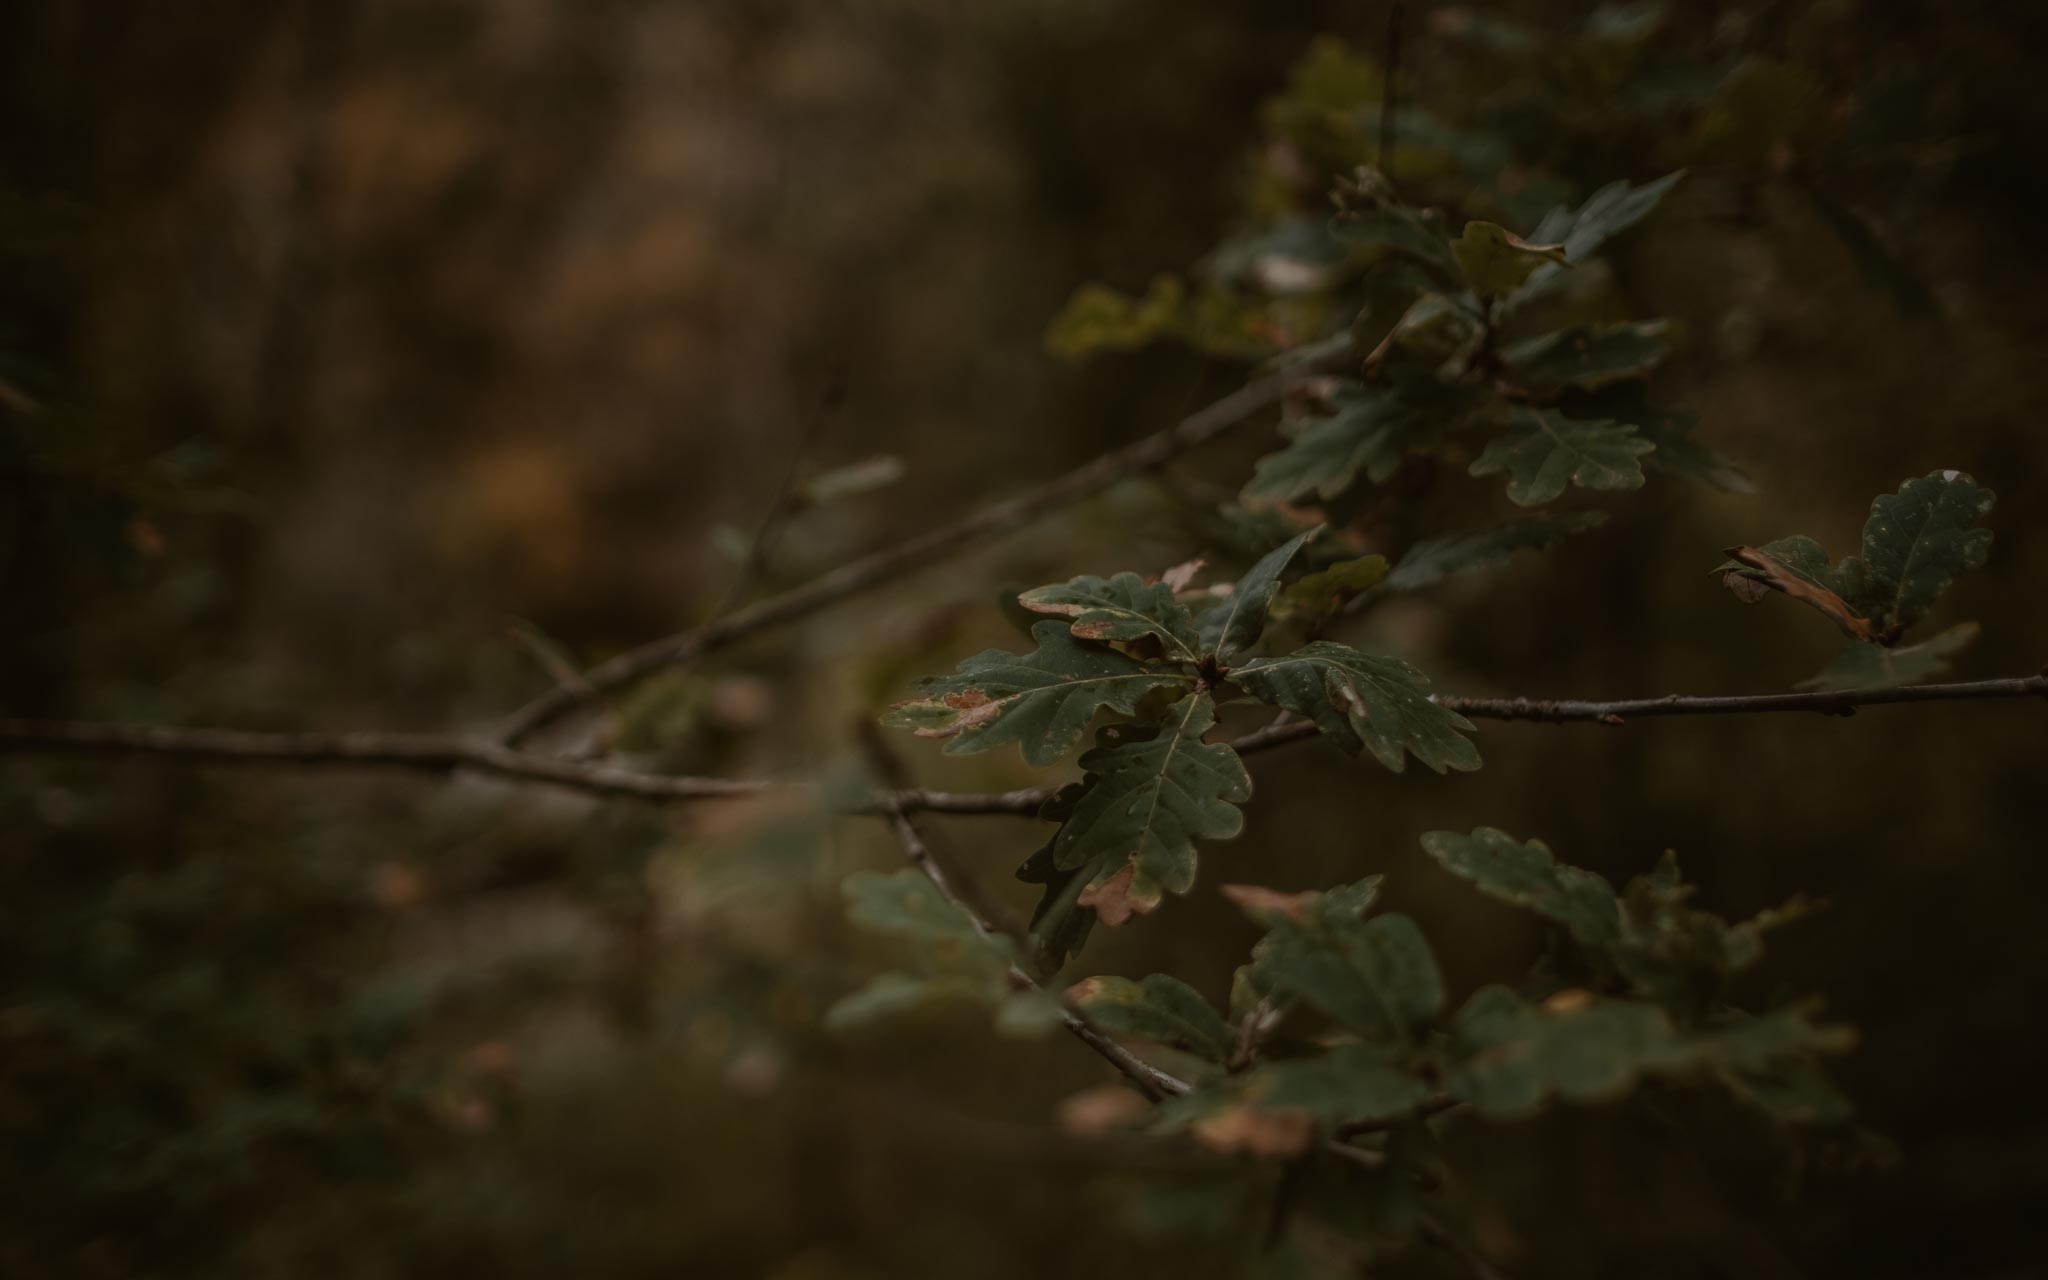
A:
(1113, 899)
(1062, 608)
(1279, 1134)
(1084, 990)
(975, 708)
(1092, 630)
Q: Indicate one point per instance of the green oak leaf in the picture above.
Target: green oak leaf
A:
(1363, 701)
(1324, 592)
(1528, 875)
(1673, 431)
(889, 994)
(1680, 957)
(967, 963)
(1252, 984)
(1917, 541)
(1543, 451)
(1680, 453)
(1514, 1056)
(1872, 666)
(907, 904)
(1375, 975)
(1435, 328)
(1607, 213)
(1754, 1041)
(1588, 356)
(1494, 260)
(1042, 700)
(1796, 1091)
(1124, 607)
(1157, 1007)
(1416, 233)
(1350, 1084)
(1149, 794)
(1235, 623)
(1060, 925)
(1432, 560)
(1368, 431)
(1098, 318)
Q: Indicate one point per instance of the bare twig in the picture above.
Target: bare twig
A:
(444, 753)
(786, 501)
(1835, 703)
(1568, 710)
(957, 888)
(955, 881)
(421, 752)
(914, 553)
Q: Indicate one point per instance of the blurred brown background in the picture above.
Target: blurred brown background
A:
(341, 336)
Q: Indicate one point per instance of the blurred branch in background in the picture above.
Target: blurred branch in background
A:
(915, 553)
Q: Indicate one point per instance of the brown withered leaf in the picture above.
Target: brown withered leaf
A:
(1778, 577)
(1104, 1109)
(1262, 903)
(1271, 1134)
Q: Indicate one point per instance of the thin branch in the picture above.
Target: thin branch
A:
(955, 886)
(444, 753)
(914, 553)
(956, 882)
(1432, 1106)
(1287, 729)
(1833, 703)
(419, 752)
(787, 500)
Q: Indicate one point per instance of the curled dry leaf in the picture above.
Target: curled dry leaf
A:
(1276, 1134)
(1778, 577)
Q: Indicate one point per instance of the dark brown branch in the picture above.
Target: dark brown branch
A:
(420, 752)
(913, 553)
(1825, 703)
(1288, 729)
(444, 753)
(957, 887)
